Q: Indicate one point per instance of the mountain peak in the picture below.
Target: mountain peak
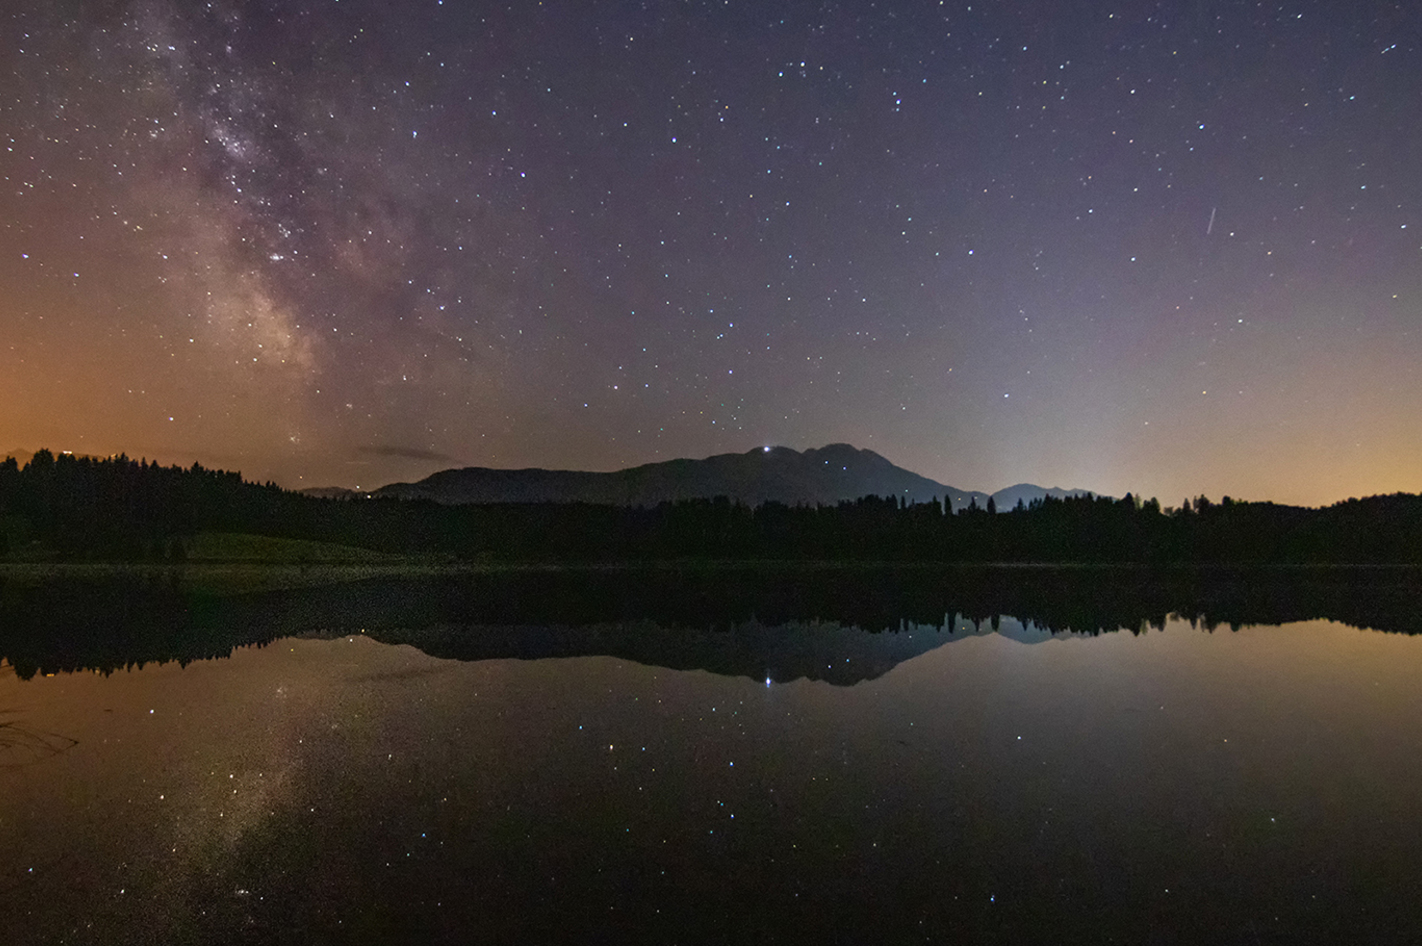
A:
(771, 473)
(824, 475)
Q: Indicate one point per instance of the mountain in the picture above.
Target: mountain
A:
(825, 475)
(1005, 499)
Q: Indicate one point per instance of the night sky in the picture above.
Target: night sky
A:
(1170, 248)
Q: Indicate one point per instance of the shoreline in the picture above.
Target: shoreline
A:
(240, 576)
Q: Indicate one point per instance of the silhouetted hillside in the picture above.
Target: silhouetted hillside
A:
(826, 476)
(1027, 493)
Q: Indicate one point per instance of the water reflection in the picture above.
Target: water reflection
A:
(841, 625)
(1133, 787)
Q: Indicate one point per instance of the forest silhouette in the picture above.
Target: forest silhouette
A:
(70, 508)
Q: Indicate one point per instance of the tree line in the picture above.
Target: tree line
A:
(81, 508)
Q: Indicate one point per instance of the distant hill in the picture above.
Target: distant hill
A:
(826, 475)
(1005, 499)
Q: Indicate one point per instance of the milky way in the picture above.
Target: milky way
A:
(1168, 248)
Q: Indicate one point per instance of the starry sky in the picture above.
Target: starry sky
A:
(1172, 248)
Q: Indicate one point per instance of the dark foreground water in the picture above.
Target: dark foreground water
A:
(579, 758)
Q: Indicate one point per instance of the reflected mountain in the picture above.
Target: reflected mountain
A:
(838, 625)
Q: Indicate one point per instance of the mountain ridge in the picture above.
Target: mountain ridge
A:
(825, 475)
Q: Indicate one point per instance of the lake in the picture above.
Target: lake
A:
(684, 756)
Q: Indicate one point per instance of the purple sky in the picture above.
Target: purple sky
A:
(1167, 248)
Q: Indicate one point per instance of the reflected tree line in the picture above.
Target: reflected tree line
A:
(780, 622)
(121, 509)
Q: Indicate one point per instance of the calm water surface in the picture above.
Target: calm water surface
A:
(1258, 785)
